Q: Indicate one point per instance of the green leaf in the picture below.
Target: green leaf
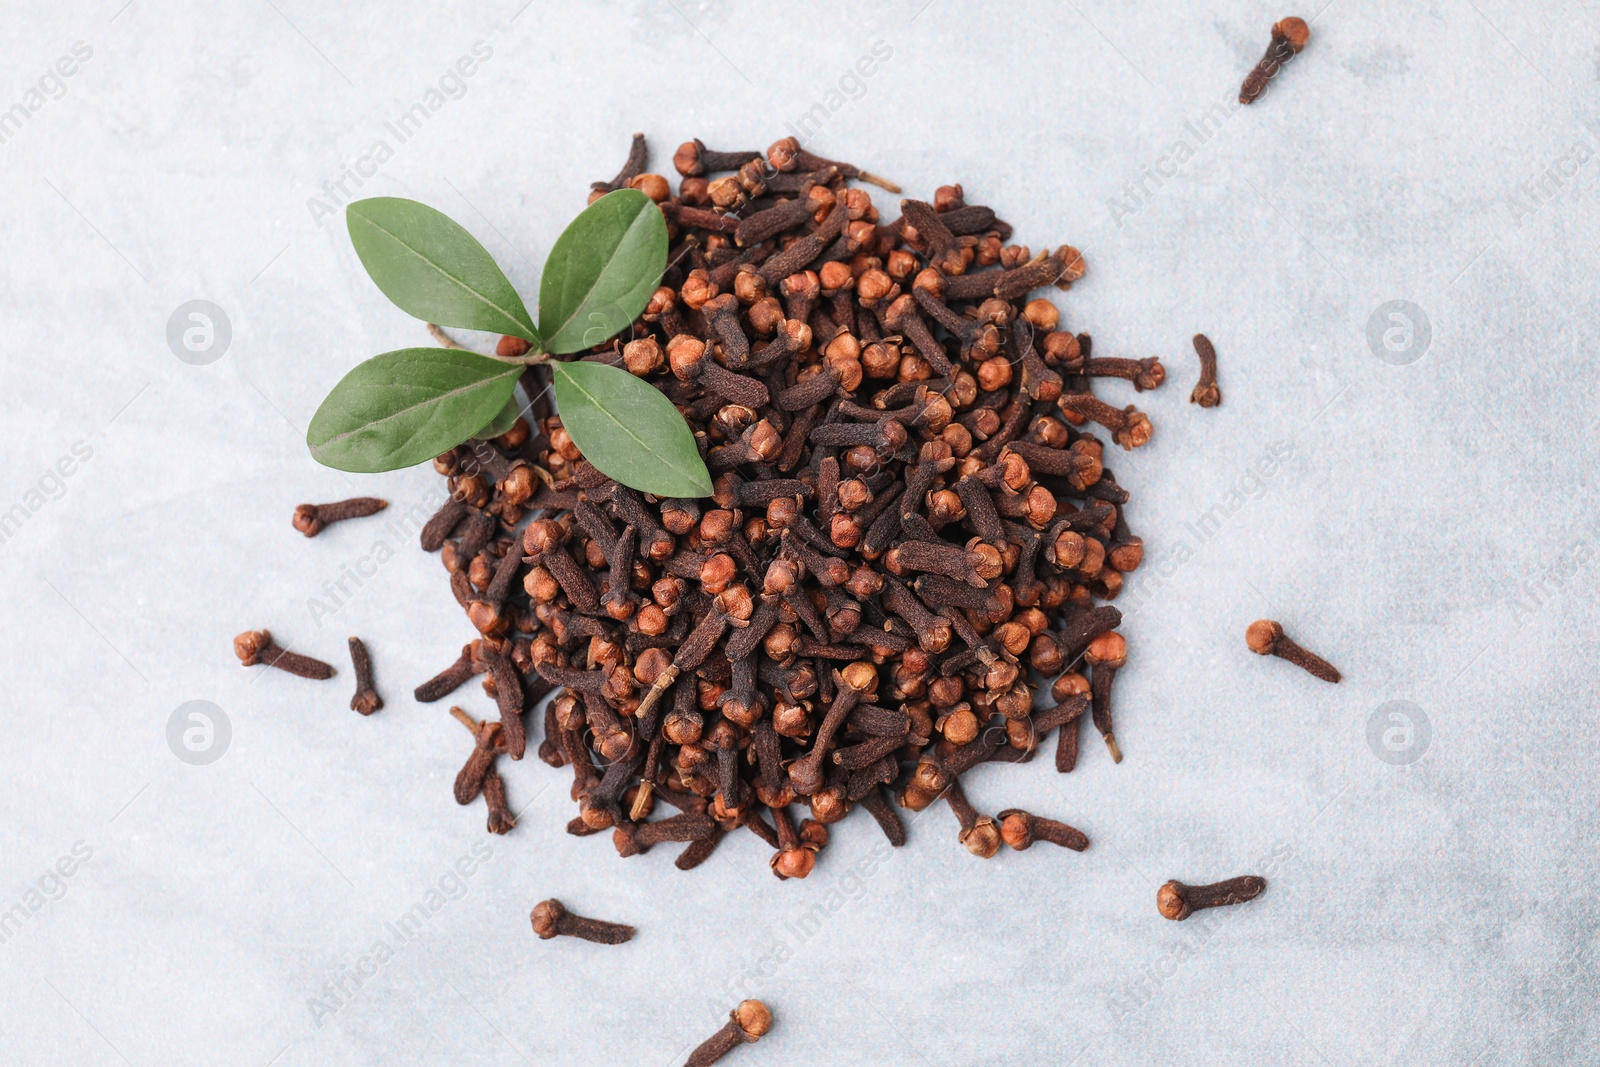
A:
(433, 269)
(602, 270)
(407, 406)
(629, 430)
(501, 422)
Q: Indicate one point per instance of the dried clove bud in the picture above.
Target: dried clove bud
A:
(1177, 901)
(256, 646)
(552, 919)
(1289, 36)
(310, 519)
(1267, 638)
(1206, 393)
(366, 700)
(1020, 830)
(747, 1024)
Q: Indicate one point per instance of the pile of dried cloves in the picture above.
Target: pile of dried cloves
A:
(912, 526)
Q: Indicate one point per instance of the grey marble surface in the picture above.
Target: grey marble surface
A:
(1427, 520)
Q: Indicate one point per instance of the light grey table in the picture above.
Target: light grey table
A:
(1429, 524)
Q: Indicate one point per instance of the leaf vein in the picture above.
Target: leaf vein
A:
(611, 264)
(446, 274)
(430, 398)
(689, 474)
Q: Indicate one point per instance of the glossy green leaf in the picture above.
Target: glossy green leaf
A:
(433, 269)
(502, 421)
(629, 430)
(602, 270)
(407, 406)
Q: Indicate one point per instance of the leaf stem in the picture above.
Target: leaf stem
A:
(533, 356)
(543, 475)
(444, 338)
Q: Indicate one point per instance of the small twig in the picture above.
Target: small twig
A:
(444, 338)
(450, 342)
(543, 475)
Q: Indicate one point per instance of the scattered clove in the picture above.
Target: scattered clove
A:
(366, 700)
(747, 1024)
(1266, 637)
(310, 519)
(1020, 830)
(1289, 36)
(256, 646)
(1206, 393)
(1178, 901)
(552, 919)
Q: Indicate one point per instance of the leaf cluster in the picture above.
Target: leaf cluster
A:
(407, 406)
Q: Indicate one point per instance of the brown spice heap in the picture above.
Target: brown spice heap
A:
(912, 522)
